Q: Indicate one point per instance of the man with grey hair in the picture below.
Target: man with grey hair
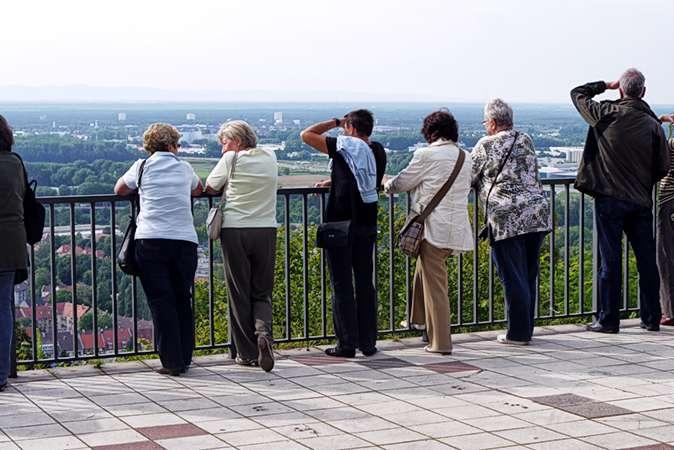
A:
(625, 155)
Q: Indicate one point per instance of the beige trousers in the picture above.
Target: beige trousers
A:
(430, 305)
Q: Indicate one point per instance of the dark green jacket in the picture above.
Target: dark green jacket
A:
(625, 151)
(12, 231)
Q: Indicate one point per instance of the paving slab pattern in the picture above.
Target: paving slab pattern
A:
(569, 389)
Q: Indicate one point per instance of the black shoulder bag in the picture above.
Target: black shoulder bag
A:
(33, 211)
(126, 259)
(485, 232)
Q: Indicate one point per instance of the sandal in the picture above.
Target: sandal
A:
(429, 350)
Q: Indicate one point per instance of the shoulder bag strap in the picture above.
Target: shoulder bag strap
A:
(141, 169)
(445, 187)
(500, 169)
(23, 167)
(223, 199)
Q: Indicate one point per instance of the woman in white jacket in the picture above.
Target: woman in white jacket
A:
(447, 229)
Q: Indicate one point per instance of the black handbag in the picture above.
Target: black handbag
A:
(33, 211)
(333, 234)
(486, 231)
(126, 258)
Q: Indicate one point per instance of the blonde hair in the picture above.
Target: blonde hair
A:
(159, 136)
(238, 130)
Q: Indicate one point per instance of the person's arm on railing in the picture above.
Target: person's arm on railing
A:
(313, 136)
(126, 184)
(408, 178)
(218, 177)
(590, 110)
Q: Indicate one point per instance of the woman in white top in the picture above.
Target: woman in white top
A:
(248, 238)
(447, 228)
(166, 242)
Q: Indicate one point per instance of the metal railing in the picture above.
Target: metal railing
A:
(82, 234)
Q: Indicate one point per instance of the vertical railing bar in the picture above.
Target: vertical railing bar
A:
(211, 287)
(94, 276)
(408, 275)
(113, 277)
(391, 262)
(567, 211)
(553, 197)
(581, 254)
(324, 309)
(626, 271)
(595, 259)
(33, 304)
(52, 263)
(73, 278)
(286, 221)
(459, 294)
(134, 299)
(476, 265)
(305, 265)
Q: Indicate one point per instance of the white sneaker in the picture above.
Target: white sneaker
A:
(504, 340)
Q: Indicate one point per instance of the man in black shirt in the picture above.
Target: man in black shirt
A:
(357, 169)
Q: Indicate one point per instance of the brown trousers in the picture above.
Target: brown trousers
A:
(430, 305)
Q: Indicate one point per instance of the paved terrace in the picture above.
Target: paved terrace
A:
(569, 390)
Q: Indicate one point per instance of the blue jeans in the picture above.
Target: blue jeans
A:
(613, 218)
(6, 322)
(517, 261)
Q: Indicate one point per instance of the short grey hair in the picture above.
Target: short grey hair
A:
(500, 112)
(238, 130)
(632, 83)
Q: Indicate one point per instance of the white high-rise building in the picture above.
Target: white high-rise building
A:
(121, 117)
(278, 117)
(191, 116)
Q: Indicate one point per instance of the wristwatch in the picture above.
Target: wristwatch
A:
(337, 122)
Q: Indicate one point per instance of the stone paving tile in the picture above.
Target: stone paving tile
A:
(631, 422)
(451, 367)
(319, 360)
(53, 443)
(111, 438)
(384, 363)
(477, 441)
(596, 410)
(35, 432)
(192, 442)
(171, 431)
(529, 435)
(337, 442)
(95, 425)
(621, 439)
(147, 445)
(418, 445)
(653, 447)
(393, 436)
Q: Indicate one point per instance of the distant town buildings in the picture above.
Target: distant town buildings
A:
(191, 116)
(121, 117)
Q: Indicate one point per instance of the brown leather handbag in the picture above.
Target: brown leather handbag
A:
(409, 238)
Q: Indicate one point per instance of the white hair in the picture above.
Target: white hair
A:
(238, 130)
(632, 83)
(500, 112)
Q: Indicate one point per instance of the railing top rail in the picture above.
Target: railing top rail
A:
(102, 198)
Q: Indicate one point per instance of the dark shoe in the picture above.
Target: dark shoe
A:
(3, 386)
(599, 328)
(655, 327)
(265, 358)
(340, 352)
(368, 351)
(171, 372)
(245, 362)
(424, 336)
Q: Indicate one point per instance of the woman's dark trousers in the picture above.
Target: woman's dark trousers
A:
(167, 275)
(517, 262)
(354, 311)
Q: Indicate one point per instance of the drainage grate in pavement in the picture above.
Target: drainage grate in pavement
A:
(318, 360)
(385, 363)
(450, 367)
(581, 406)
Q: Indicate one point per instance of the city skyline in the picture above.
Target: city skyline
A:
(262, 51)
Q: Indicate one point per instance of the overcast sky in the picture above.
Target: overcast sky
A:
(413, 50)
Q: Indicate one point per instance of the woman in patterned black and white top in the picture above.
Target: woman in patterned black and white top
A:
(665, 237)
(518, 213)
